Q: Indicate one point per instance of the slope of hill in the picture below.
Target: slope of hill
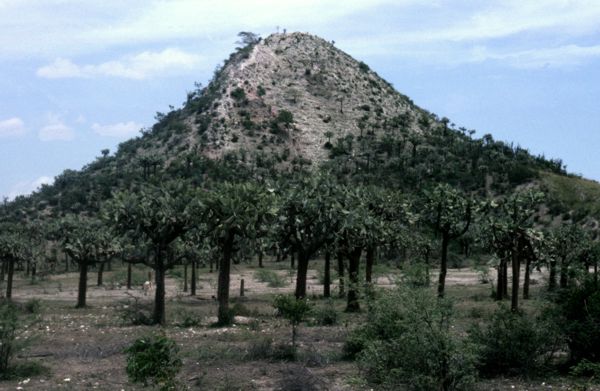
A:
(292, 102)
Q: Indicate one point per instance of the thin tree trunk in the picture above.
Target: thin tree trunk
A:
(193, 278)
(224, 317)
(516, 268)
(129, 275)
(564, 276)
(81, 293)
(293, 260)
(327, 275)
(100, 274)
(33, 271)
(369, 266)
(9, 278)
(185, 277)
(67, 260)
(443, 265)
(159, 294)
(527, 279)
(260, 258)
(353, 266)
(500, 280)
(301, 275)
(340, 260)
(3, 270)
(552, 277)
(505, 279)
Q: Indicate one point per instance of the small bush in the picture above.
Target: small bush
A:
(189, 320)
(238, 94)
(363, 67)
(260, 348)
(270, 277)
(325, 315)
(293, 310)
(298, 378)
(285, 117)
(513, 344)
(33, 306)
(578, 314)
(407, 342)
(153, 360)
(135, 313)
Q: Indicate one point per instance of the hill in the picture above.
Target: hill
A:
(294, 102)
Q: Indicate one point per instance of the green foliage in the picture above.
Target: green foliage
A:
(363, 67)
(325, 315)
(579, 318)
(8, 333)
(153, 360)
(33, 306)
(273, 279)
(135, 313)
(586, 368)
(407, 342)
(285, 117)
(238, 94)
(513, 343)
(292, 309)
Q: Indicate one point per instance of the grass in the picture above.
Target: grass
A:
(272, 279)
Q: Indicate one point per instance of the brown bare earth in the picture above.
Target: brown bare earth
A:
(82, 349)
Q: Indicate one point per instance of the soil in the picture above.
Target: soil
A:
(82, 349)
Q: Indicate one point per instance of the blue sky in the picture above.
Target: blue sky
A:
(77, 77)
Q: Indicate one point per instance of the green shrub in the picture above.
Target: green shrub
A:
(153, 360)
(33, 306)
(513, 343)
(135, 313)
(579, 318)
(270, 277)
(285, 117)
(293, 310)
(8, 333)
(325, 315)
(188, 320)
(407, 343)
(238, 94)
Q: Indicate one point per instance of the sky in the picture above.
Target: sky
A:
(78, 77)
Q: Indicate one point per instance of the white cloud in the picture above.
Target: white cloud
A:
(120, 130)
(561, 56)
(139, 66)
(55, 130)
(12, 127)
(26, 187)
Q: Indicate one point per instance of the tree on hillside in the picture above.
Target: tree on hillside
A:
(235, 211)
(13, 248)
(566, 244)
(87, 241)
(449, 213)
(307, 221)
(509, 232)
(154, 217)
(247, 38)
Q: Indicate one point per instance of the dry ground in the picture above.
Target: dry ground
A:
(82, 349)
